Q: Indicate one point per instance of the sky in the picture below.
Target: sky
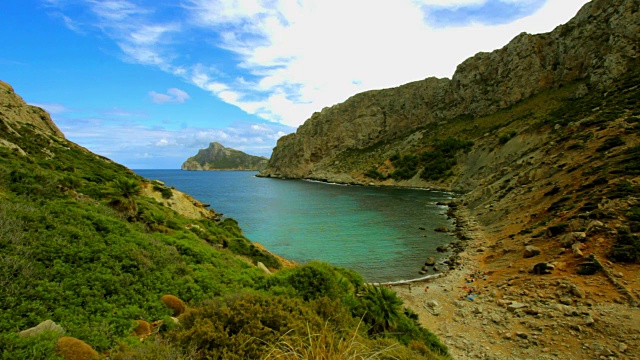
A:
(147, 83)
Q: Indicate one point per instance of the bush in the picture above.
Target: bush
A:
(73, 349)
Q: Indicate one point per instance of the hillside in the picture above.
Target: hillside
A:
(218, 157)
(97, 262)
(541, 139)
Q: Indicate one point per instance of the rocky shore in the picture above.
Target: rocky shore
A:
(481, 313)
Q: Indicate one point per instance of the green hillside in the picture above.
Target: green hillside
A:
(80, 245)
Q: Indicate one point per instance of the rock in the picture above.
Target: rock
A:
(175, 320)
(430, 261)
(566, 300)
(569, 239)
(47, 325)
(515, 306)
(577, 292)
(522, 335)
(422, 272)
(436, 268)
(425, 268)
(443, 229)
(432, 304)
(531, 251)
(577, 249)
(504, 303)
(422, 228)
(442, 248)
(264, 268)
(73, 349)
(477, 310)
(542, 268)
(218, 157)
(622, 347)
(589, 321)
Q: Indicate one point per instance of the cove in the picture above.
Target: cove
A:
(375, 231)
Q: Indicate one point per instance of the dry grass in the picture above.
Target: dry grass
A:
(330, 344)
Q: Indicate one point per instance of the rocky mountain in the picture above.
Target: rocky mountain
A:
(17, 113)
(594, 49)
(218, 157)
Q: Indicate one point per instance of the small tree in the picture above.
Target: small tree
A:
(124, 190)
(383, 308)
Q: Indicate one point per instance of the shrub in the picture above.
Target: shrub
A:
(174, 304)
(242, 326)
(165, 191)
(142, 328)
(382, 308)
(73, 349)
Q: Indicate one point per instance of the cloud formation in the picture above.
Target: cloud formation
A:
(140, 146)
(173, 95)
(282, 60)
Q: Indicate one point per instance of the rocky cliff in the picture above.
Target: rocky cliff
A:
(595, 48)
(218, 157)
(14, 112)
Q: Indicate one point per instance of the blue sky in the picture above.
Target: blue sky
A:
(149, 82)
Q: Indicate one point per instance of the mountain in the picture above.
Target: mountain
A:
(218, 157)
(98, 262)
(591, 52)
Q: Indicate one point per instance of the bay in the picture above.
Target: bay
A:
(372, 230)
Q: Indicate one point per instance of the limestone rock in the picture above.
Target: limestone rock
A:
(14, 112)
(264, 268)
(430, 261)
(597, 47)
(47, 325)
(531, 251)
(218, 157)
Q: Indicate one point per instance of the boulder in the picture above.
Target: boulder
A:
(430, 261)
(531, 251)
(543, 268)
(47, 325)
(425, 268)
(443, 229)
(264, 268)
(442, 248)
(515, 306)
(577, 249)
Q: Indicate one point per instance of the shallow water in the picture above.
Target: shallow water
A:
(372, 230)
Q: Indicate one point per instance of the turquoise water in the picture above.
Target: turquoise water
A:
(372, 230)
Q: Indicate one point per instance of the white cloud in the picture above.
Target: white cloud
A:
(52, 108)
(173, 95)
(291, 58)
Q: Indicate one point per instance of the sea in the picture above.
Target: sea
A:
(384, 233)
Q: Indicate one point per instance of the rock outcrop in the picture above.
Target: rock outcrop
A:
(14, 112)
(218, 157)
(596, 47)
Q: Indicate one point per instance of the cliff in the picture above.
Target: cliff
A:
(596, 48)
(15, 113)
(218, 157)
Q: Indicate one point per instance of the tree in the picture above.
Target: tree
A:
(383, 308)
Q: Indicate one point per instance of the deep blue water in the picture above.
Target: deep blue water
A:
(372, 230)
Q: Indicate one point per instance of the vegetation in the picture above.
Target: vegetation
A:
(80, 245)
(436, 163)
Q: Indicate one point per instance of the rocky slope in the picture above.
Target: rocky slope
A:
(15, 112)
(596, 47)
(218, 157)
